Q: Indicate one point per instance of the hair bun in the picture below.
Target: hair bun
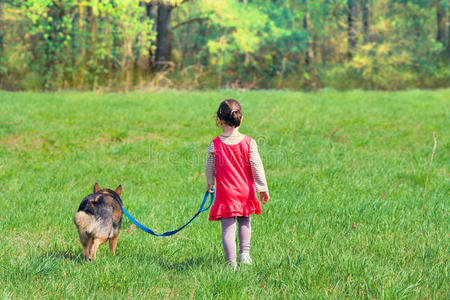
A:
(230, 112)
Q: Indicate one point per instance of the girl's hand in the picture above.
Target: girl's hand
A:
(264, 196)
(208, 188)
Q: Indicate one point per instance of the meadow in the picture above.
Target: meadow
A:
(346, 173)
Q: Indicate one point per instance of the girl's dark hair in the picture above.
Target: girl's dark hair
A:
(230, 112)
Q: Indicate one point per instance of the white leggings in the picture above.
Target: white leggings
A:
(229, 236)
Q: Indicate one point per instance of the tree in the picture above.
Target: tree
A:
(1, 42)
(366, 19)
(164, 35)
(351, 16)
(1, 28)
(441, 20)
(309, 52)
(151, 12)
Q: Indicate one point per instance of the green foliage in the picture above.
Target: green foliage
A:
(246, 43)
(400, 51)
(74, 44)
(293, 44)
(402, 59)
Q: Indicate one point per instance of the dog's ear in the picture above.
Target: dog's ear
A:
(119, 190)
(96, 188)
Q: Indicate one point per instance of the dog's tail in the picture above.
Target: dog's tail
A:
(83, 221)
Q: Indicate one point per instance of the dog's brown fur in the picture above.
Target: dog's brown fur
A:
(98, 220)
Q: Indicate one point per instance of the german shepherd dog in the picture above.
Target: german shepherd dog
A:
(98, 219)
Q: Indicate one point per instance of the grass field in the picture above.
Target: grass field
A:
(331, 158)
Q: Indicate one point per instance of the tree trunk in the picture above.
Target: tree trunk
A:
(1, 43)
(351, 15)
(441, 20)
(164, 35)
(151, 13)
(53, 61)
(448, 39)
(308, 56)
(92, 44)
(366, 19)
(1, 28)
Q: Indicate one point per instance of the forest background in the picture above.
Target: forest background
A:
(121, 45)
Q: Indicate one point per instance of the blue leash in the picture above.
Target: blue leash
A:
(168, 233)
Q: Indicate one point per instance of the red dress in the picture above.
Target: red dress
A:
(235, 187)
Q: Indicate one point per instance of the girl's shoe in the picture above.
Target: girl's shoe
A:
(231, 266)
(245, 258)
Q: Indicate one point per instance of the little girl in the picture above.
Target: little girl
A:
(234, 160)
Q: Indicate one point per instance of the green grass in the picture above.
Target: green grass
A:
(331, 159)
